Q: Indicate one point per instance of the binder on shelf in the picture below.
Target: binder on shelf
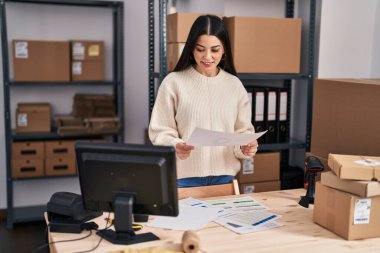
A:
(258, 111)
(283, 115)
(271, 136)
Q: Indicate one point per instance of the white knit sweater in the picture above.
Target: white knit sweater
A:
(188, 99)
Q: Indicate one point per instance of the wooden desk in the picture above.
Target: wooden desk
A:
(299, 234)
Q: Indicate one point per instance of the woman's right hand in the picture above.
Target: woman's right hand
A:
(183, 151)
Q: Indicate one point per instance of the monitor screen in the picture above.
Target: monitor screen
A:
(127, 179)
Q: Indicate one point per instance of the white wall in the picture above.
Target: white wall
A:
(349, 39)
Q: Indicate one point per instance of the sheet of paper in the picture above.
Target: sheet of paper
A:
(189, 218)
(241, 204)
(203, 137)
(249, 221)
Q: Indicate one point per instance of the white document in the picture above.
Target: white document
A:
(241, 204)
(249, 221)
(203, 137)
(189, 218)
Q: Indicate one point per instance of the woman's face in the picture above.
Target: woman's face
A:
(208, 53)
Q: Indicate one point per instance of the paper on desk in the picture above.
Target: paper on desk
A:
(203, 137)
(249, 221)
(241, 204)
(189, 218)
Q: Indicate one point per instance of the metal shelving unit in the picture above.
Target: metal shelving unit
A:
(288, 80)
(307, 76)
(31, 213)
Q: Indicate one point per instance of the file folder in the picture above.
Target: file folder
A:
(258, 111)
(283, 123)
(271, 116)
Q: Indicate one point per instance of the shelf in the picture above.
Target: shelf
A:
(53, 135)
(44, 177)
(88, 3)
(293, 144)
(89, 83)
(253, 76)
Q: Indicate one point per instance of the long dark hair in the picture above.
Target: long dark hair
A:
(207, 25)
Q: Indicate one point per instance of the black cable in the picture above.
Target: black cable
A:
(72, 240)
(101, 238)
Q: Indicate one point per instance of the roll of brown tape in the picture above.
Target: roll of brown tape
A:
(190, 242)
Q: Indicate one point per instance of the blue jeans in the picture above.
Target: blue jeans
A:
(203, 181)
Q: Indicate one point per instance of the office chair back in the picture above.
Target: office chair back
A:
(209, 191)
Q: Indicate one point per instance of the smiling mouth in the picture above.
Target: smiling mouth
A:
(207, 63)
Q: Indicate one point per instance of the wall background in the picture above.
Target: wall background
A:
(349, 47)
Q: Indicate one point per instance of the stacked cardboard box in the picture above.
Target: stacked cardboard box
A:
(59, 158)
(28, 159)
(87, 61)
(265, 45)
(179, 25)
(260, 174)
(92, 113)
(41, 60)
(345, 117)
(33, 118)
(93, 105)
(347, 200)
(259, 44)
(43, 158)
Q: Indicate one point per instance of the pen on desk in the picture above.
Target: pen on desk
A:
(264, 220)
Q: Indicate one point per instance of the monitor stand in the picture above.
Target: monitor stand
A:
(123, 233)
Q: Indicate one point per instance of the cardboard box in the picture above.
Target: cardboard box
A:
(27, 168)
(346, 215)
(260, 187)
(60, 166)
(174, 51)
(59, 149)
(28, 150)
(87, 61)
(361, 188)
(355, 167)
(41, 60)
(86, 50)
(265, 45)
(33, 118)
(179, 24)
(345, 117)
(264, 167)
(87, 71)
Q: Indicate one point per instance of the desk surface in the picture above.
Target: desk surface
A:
(299, 234)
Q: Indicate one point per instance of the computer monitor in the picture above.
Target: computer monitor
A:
(127, 179)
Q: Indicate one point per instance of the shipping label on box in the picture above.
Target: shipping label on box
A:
(355, 167)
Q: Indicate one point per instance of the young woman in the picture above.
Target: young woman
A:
(203, 91)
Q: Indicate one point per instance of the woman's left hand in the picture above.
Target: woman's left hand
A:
(250, 149)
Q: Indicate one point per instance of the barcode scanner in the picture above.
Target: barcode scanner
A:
(312, 166)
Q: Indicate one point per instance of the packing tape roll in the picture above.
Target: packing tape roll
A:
(190, 242)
